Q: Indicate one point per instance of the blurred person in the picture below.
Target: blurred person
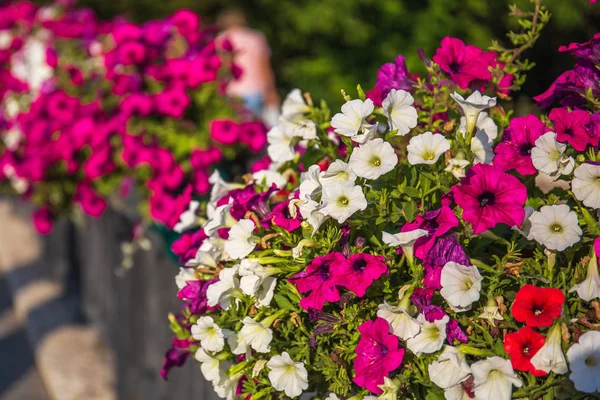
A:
(252, 54)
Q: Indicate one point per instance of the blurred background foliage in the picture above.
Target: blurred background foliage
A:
(322, 46)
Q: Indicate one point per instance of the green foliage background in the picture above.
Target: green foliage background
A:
(324, 45)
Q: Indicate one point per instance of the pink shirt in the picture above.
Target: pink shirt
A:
(250, 49)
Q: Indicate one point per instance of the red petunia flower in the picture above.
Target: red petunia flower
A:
(522, 346)
(537, 306)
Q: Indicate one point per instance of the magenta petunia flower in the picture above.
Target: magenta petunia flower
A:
(571, 127)
(225, 131)
(281, 217)
(377, 354)
(514, 152)
(359, 272)
(436, 223)
(464, 64)
(489, 197)
(194, 294)
(394, 76)
(43, 220)
(319, 281)
(254, 135)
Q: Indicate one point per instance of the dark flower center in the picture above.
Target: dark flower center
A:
(525, 149)
(359, 264)
(538, 309)
(455, 67)
(569, 132)
(486, 199)
(526, 349)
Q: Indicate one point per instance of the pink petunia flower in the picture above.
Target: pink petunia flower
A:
(464, 64)
(377, 354)
(514, 152)
(318, 279)
(281, 217)
(490, 197)
(436, 223)
(225, 131)
(571, 127)
(359, 272)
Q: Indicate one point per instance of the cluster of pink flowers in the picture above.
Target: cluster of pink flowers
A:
(89, 104)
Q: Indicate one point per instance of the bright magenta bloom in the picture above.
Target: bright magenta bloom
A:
(464, 64)
(571, 127)
(377, 354)
(490, 197)
(359, 272)
(514, 152)
(318, 279)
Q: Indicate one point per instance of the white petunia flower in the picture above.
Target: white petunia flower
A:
(208, 255)
(457, 167)
(188, 218)
(450, 368)
(484, 123)
(225, 289)
(460, 285)
(426, 148)
(403, 325)
(219, 189)
(584, 360)
(547, 156)
(184, 275)
(240, 242)
(310, 184)
(406, 240)
(221, 218)
(236, 343)
(472, 106)
(281, 146)
(373, 159)
(494, 379)
(311, 213)
(550, 356)
(337, 171)
(304, 129)
(555, 227)
(209, 334)
(210, 366)
(341, 200)
(294, 106)
(398, 109)
(256, 335)
(589, 289)
(227, 388)
(526, 225)
(332, 396)
(269, 178)
(586, 184)
(6, 39)
(287, 376)
(12, 138)
(457, 392)
(257, 281)
(352, 121)
(431, 337)
(482, 148)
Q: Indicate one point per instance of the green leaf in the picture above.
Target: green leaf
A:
(590, 222)
(412, 192)
(435, 394)
(284, 303)
(391, 134)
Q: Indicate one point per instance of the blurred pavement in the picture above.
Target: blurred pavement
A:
(19, 378)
